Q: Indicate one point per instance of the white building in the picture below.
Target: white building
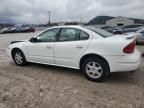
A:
(119, 21)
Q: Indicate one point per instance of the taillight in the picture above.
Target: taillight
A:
(130, 48)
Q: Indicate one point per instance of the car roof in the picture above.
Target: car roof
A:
(73, 26)
(69, 26)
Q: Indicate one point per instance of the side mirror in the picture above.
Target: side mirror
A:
(33, 39)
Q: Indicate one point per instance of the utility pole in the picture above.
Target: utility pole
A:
(49, 13)
(81, 20)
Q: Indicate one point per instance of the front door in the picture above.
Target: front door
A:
(41, 51)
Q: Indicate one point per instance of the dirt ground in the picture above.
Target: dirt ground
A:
(40, 86)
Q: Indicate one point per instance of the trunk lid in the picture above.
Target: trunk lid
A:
(119, 44)
(128, 36)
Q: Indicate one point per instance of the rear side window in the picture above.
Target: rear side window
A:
(83, 35)
(68, 34)
(72, 34)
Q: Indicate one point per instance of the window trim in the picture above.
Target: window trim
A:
(58, 36)
(85, 33)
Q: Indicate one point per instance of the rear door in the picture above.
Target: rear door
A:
(70, 45)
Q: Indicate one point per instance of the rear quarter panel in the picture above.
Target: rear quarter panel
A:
(107, 46)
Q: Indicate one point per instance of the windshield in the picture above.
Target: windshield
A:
(99, 31)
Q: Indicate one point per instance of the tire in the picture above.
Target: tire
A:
(19, 58)
(95, 69)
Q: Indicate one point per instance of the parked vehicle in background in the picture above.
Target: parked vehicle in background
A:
(133, 26)
(117, 31)
(108, 28)
(17, 30)
(127, 29)
(28, 29)
(5, 30)
(12, 30)
(140, 38)
(94, 51)
(23, 30)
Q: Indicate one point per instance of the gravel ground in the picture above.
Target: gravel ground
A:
(40, 86)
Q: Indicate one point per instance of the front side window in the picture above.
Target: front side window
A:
(48, 36)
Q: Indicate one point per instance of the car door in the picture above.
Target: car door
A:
(41, 51)
(69, 46)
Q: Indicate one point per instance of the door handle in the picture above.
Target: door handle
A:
(49, 47)
(79, 47)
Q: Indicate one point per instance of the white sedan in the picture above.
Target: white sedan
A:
(94, 51)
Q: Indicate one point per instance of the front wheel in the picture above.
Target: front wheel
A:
(95, 69)
(19, 58)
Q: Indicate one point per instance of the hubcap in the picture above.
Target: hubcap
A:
(94, 70)
(18, 58)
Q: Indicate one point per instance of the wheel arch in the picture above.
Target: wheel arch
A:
(14, 49)
(92, 55)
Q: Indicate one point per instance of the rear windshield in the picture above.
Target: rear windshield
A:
(99, 31)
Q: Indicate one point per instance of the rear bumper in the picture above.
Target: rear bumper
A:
(126, 63)
(125, 67)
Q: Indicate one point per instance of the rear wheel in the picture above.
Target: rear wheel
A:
(95, 69)
(19, 57)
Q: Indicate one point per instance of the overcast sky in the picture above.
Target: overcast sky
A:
(36, 11)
